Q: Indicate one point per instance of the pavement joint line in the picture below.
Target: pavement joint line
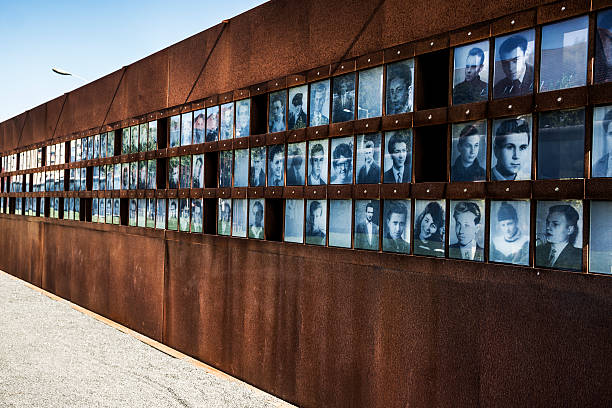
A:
(144, 339)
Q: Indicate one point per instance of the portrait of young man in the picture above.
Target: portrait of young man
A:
(295, 163)
(317, 163)
(472, 88)
(467, 217)
(276, 122)
(243, 117)
(468, 146)
(212, 123)
(399, 87)
(319, 103)
(511, 155)
(173, 214)
(398, 159)
(276, 160)
(258, 167)
(199, 126)
(395, 234)
(513, 74)
(509, 243)
(224, 223)
(366, 224)
(558, 234)
(256, 219)
(297, 109)
(184, 215)
(343, 102)
(225, 168)
(173, 178)
(316, 222)
(342, 161)
(368, 153)
(227, 121)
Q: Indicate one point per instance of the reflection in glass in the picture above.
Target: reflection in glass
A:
(398, 156)
(276, 116)
(471, 68)
(559, 235)
(90, 142)
(199, 126)
(343, 99)
(142, 174)
(396, 235)
(173, 172)
(175, 130)
(429, 227)
(294, 221)
(340, 214)
(196, 215)
(469, 151)
(317, 162)
(342, 160)
(143, 138)
(197, 180)
(564, 54)
(298, 106)
(102, 178)
(173, 214)
(602, 142)
(241, 168)
(370, 93)
(366, 224)
(152, 145)
(256, 218)
(142, 211)
(258, 167)
(319, 103)
(110, 144)
(125, 176)
(152, 177)
(94, 209)
(185, 176)
(227, 121)
(133, 141)
(466, 235)
(186, 129)
(160, 214)
(509, 232)
(399, 87)
(133, 212)
(243, 117)
(212, 123)
(316, 222)
(511, 153)
(239, 218)
(117, 177)
(150, 213)
(368, 158)
(184, 209)
(603, 47)
(561, 144)
(296, 163)
(96, 179)
(276, 159)
(225, 213)
(513, 71)
(125, 143)
(103, 147)
(225, 168)
(600, 250)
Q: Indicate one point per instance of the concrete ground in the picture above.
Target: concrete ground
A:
(54, 354)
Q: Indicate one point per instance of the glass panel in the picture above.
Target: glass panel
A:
(239, 218)
(117, 176)
(185, 181)
(241, 168)
(125, 176)
(298, 106)
(133, 213)
(142, 174)
(150, 213)
(370, 93)
(276, 159)
(184, 215)
(134, 139)
(133, 175)
(400, 93)
(466, 235)
(561, 144)
(142, 212)
(342, 160)
(173, 214)
(152, 177)
(110, 144)
(116, 213)
(256, 218)
(173, 172)
(94, 209)
(225, 215)
(243, 117)
(511, 152)
(343, 98)
(603, 47)
(429, 227)
(340, 214)
(469, 149)
(186, 129)
(152, 136)
(175, 130)
(513, 71)
(90, 151)
(317, 162)
(198, 171)
(225, 168)
(196, 215)
(600, 255)
(296, 163)
(509, 232)
(471, 73)
(602, 142)
(276, 116)
(366, 224)
(227, 121)
(294, 221)
(258, 167)
(199, 126)
(398, 156)
(316, 222)
(212, 123)
(96, 179)
(125, 142)
(396, 235)
(559, 235)
(160, 214)
(368, 158)
(143, 138)
(319, 103)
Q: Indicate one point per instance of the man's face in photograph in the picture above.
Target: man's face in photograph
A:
(514, 63)
(396, 225)
(512, 153)
(466, 227)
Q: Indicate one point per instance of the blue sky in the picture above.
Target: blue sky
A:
(90, 39)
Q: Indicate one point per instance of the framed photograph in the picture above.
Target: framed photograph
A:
(225, 168)
(152, 174)
(77, 208)
(511, 152)
(96, 179)
(398, 156)
(469, 151)
(224, 222)
(116, 211)
(142, 174)
(561, 144)
(96, 145)
(276, 165)
(513, 70)
(110, 144)
(199, 126)
(160, 214)
(370, 96)
(509, 232)
(184, 211)
(298, 106)
(602, 142)
(367, 218)
(400, 92)
(197, 178)
(152, 144)
(186, 128)
(256, 218)
(559, 235)
(196, 215)
(294, 221)
(471, 73)
(241, 168)
(276, 115)
(173, 172)
(117, 176)
(94, 209)
(74, 175)
(79, 150)
(342, 160)
(109, 210)
(243, 117)
(134, 143)
(429, 227)
(90, 144)
(175, 131)
(340, 215)
(368, 158)
(296, 163)
(563, 62)
(239, 218)
(319, 103)
(133, 176)
(343, 98)
(125, 142)
(133, 212)
(173, 214)
(101, 211)
(125, 176)
(150, 222)
(143, 137)
(227, 121)
(317, 162)
(258, 167)
(603, 47)
(185, 174)
(600, 250)
(467, 226)
(212, 123)
(396, 219)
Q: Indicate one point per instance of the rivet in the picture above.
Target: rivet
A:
(338, 191)
(296, 79)
(315, 191)
(398, 52)
(256, 140)
(469, 33)
(368, 59)
(507, 188)
(465, 190)
(538, 273)
(365, 191)
(317, 72)
(428, 190)
(258, 89)
(240, 93)
(556, 188)
(512, 22)
(225, 98)
(559, 99)
(274, 137)
(273, 193)
(341, 129)
(510, 106)
(467, 111)
(394, 191)
(317, 132)
(367, 125)
(396, 121)
(292, 191)
(211, 99)
(429, 117)
(431, 44)
(563, 8)
(276, 84)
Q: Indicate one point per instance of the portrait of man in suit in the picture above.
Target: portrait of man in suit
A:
(243, 117)
(276, 160)
(366, 230)
(256, 227)
(316, 219)
(467, 166)
(399, 149)
(319, 102)
(472, 88)
(399, 87)
(517, 79)
(343, 102)
(342, 161)
(297, 116)
(276, 122)
(317, 168)
(227, 121)
(467, 217)
(369, 154)
(511, 151)
(394, 227)
(258, 167)
(295, 164)
(556, 249)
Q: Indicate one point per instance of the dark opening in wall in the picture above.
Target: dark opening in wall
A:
(89, 179)
(432, 80)
(162, 173)
(117, 147)
(211, 164)
(274, 219)
(47, 207)
(67, 179)
(430, 162)
(38, 201)
(210, 216)
(259, 114)
(124, 207)
(85, 213)
(162, 133)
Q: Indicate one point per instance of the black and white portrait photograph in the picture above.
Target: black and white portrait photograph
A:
(319, 103)
(225, 168)
(103, 148)
(226, 130)
(96, 179)
(186, 128)
(602, 142)
(317, 162)
(395, 223)
(133, 176)
(173, 172)
(276, 114)
(563, 62)
(340, 217)
(133, 212)
(126, 141)
(471, 73)
(116, 176)
(298, 107)
(175, 131)
(559, 235)
(243, 117)
(241, 168)
(276, 165)
(296, 163)
(134, 138)
(142, 212)
(77, 208)
(199, 126)
(116, 211)
(94, 209)
(224, 221)
(398, 156)
(196, 215)
(343, 98)
(125, 176)
(294, 221)
(466, 231)
(173, 214)
(429, 227)
(152, 174)
(69, 209)
(75, 180)
(256, 218)
(367, 224)
(513, 70)
(603, 47)
(400, 92)
(258, 167)
(212, 123)
(369, 99)
(160, 213)
(509, 232)
(316, 222)
(89, 149)
(143, 139)
(600, 248)
(150, 213)
(197, 178)
(511, 152)
(185, 172)
(561, 144)
(368, 158)
(342, 160)
(142, 174)
(469, 150)
(184, 211)
(239, 218)
(152, 139)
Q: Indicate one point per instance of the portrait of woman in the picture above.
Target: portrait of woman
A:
(429, 228)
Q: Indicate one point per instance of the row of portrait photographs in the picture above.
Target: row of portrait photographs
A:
(93, 147)
(77, 180)
(105, 210)
(72, 209)
(126, 176)
(138, 138)
(30, 159)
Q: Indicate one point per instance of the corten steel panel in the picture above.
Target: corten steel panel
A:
(21, 255)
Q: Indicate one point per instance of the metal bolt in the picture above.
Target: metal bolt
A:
(428, 190)
(342, 67)
(563, 8)
(556, 188)
(398, 52)
(368, 59)
(510, 106)
(431, 44)
(317, 72)
(338, 191)
(559, 99)
(507, 188)
(467, 111)
(465, 190)
(394, 191)
(367, 125)
(429, 117)
(469, 33)
(315, 191)
(276, 84)
(317, 132)
(257, 89)
(512, 22)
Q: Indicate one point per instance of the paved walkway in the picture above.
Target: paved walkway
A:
(53, 355)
